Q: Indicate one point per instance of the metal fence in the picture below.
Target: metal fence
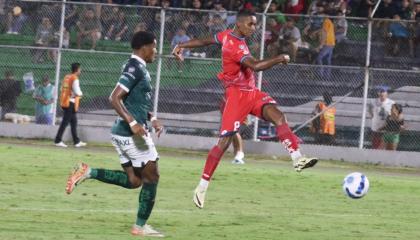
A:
(48, 36)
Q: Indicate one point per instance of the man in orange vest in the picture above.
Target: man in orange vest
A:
(69, 102)
(325, 129)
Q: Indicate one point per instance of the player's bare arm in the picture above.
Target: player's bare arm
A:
(116, 98)
(194, 43)
(261, 65)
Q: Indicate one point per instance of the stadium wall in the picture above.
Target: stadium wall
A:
(100, 133)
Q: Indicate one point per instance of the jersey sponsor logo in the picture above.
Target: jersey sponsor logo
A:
(121, 142)
(242, 47)
(131, 69)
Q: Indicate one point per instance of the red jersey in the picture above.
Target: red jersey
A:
(234, 52)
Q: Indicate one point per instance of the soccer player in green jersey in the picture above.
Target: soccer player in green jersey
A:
(131, 99)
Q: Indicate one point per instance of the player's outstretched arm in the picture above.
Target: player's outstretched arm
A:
(116, 100)
(261, 65)
(193, 43)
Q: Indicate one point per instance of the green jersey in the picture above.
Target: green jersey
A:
(135, 80)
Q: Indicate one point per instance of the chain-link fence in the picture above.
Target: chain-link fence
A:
(329, 58)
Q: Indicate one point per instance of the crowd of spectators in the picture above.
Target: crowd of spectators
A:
(311, 36)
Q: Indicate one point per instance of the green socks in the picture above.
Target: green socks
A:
(147, 194)
(146, 202)
(115, 177)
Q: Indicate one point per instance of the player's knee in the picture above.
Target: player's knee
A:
(135, 182)
(224, 142)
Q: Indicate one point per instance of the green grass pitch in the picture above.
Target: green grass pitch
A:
(264, 199)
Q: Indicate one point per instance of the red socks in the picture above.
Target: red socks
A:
(287, 138)
(212, 161)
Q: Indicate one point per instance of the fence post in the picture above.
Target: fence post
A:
(260, 74)
(58, 64)
(159, 66)
(367, 75)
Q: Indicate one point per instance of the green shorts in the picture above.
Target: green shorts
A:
(391, 137)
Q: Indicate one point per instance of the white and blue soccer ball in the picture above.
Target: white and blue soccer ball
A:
(355, 185)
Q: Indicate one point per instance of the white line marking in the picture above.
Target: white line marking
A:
(18, 209)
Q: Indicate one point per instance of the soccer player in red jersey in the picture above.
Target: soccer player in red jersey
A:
(242, 97)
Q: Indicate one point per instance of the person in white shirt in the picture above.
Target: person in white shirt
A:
(379, 109)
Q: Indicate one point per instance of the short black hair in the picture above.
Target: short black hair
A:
(327, 98)
(245, 13)
(399, 107)
(141, 39)
(75, 67)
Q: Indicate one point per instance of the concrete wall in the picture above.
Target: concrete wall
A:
(100, 133)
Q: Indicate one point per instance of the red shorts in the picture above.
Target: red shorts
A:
(240, 103)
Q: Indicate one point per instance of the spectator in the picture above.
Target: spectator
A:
(398, 32)
(9, 92)
(69, 102)
(394, 124)
(405, 12)
(276, 14)
(216, 24)
(180, 37)
(71, 16)
(89, 28)
(43, 96)
(416, 29)
(16, 21)
(109, 17)
(295, 6)
(218, 10)
(197, 23)
(118, 30)
(272, 37)
(313, 27)
(379, 109)
(365, 8)
(3, 15)
(341, 26)
(386, 9)
(44, 38)
(148, 15)
(324, 126)
(326, 46)
(141, 26)
(290, 39)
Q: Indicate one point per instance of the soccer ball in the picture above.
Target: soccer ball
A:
(355, 185)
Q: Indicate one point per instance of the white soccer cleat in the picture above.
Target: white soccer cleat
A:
(199, 196)
(145, 231)
(304, 162)
(61, 144)
(238, 161)
(80, 144)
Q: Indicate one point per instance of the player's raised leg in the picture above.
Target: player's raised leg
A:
(125, 179)
(287, 137)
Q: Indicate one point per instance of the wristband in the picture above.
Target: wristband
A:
(153, 119)
(132, 123)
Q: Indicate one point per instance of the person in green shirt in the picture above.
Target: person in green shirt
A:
(131, 99)
(43, 96)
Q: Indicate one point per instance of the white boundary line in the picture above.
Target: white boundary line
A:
(18, 209)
